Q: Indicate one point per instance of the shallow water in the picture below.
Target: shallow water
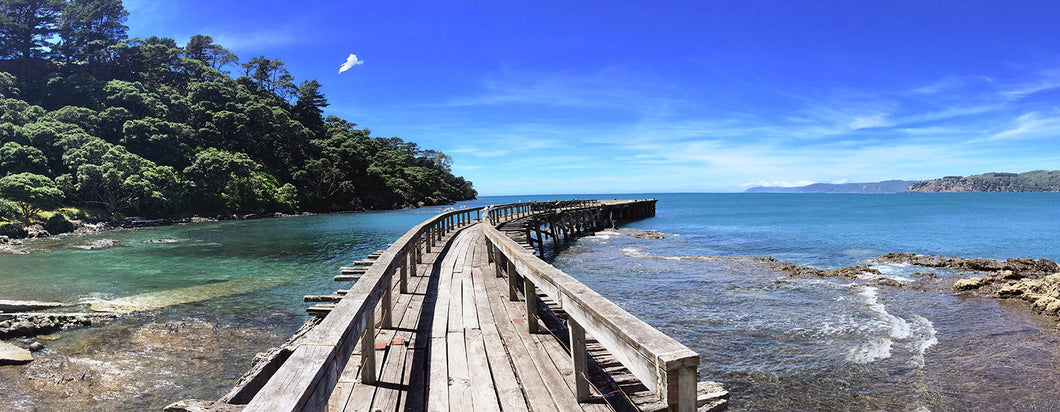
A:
(207, 298)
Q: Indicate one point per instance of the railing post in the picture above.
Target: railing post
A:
(368, 350)
(387, 320)
(530, 293)
(512, 292)
(428, 238)
(418, 256)
(577, 356)
(404, 273)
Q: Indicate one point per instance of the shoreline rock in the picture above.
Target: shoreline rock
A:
(14, 325)
(1043, 293)
(14, 355)
(1017, 267)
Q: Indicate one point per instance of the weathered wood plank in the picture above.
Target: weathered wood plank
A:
(506, 386)
(459, 375)
(537, 396)
(393, 381)
(438, 379)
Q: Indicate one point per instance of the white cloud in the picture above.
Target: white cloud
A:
(780, 183)
(866, 122)
(1030, 126)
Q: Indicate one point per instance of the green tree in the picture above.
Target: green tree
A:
(16, 158)
(26, 27)
(89, 27)
(270, 76)
(8, 85)
(19, 112)
(233, 182)
(110, 176)
(85, 118)
(158, 140)
(202, 48)
(310, 105)
(31, 192)
(135, 97)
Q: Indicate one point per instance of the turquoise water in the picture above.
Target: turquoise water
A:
(256, 273)
(779, 343)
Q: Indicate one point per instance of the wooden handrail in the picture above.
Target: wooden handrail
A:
(309, 375)
(663, 365)
(307, 378)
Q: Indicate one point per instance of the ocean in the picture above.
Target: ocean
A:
(781, 342)
(778, 342)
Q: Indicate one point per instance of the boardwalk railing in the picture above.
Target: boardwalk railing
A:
(502, 213)
(663, 365)
(307, 378)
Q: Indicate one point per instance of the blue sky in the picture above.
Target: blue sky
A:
(680, 96)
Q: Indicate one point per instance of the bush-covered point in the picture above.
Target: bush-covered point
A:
(148, 127)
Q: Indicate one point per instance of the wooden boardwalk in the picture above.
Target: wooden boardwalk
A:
(461, 345)
(459, 314)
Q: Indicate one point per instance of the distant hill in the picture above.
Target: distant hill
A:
(1033, 181)
(889, 186)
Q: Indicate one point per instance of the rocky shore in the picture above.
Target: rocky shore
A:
(16, 325)
(1036, 281)
(18, 321)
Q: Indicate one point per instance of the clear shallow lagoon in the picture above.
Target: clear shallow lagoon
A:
(779, 343)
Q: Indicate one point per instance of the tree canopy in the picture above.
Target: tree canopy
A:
(31, 192)
(146, 127)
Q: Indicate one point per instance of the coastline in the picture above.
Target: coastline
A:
(13, 235)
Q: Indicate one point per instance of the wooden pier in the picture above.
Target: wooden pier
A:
(461, 314)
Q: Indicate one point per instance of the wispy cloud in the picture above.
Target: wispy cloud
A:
(611, 87)
(256, 39)
(1030, 126)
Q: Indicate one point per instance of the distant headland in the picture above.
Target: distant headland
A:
(1032, 181)
(889, 186)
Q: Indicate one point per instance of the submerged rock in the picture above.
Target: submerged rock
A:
(98, 244)
(26, 305)
(162, 241)
(648, 234)
(850, 272)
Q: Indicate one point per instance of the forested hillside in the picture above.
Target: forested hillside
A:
(149, 127)
(1033, 181)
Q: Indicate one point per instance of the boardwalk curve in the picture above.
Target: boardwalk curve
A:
(461, 314)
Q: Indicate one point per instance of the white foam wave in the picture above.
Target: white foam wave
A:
(896, 271)
(899, 327)
(871, 351)
(913, 336)
(925, 333)
(634, 252)
(603, 235)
